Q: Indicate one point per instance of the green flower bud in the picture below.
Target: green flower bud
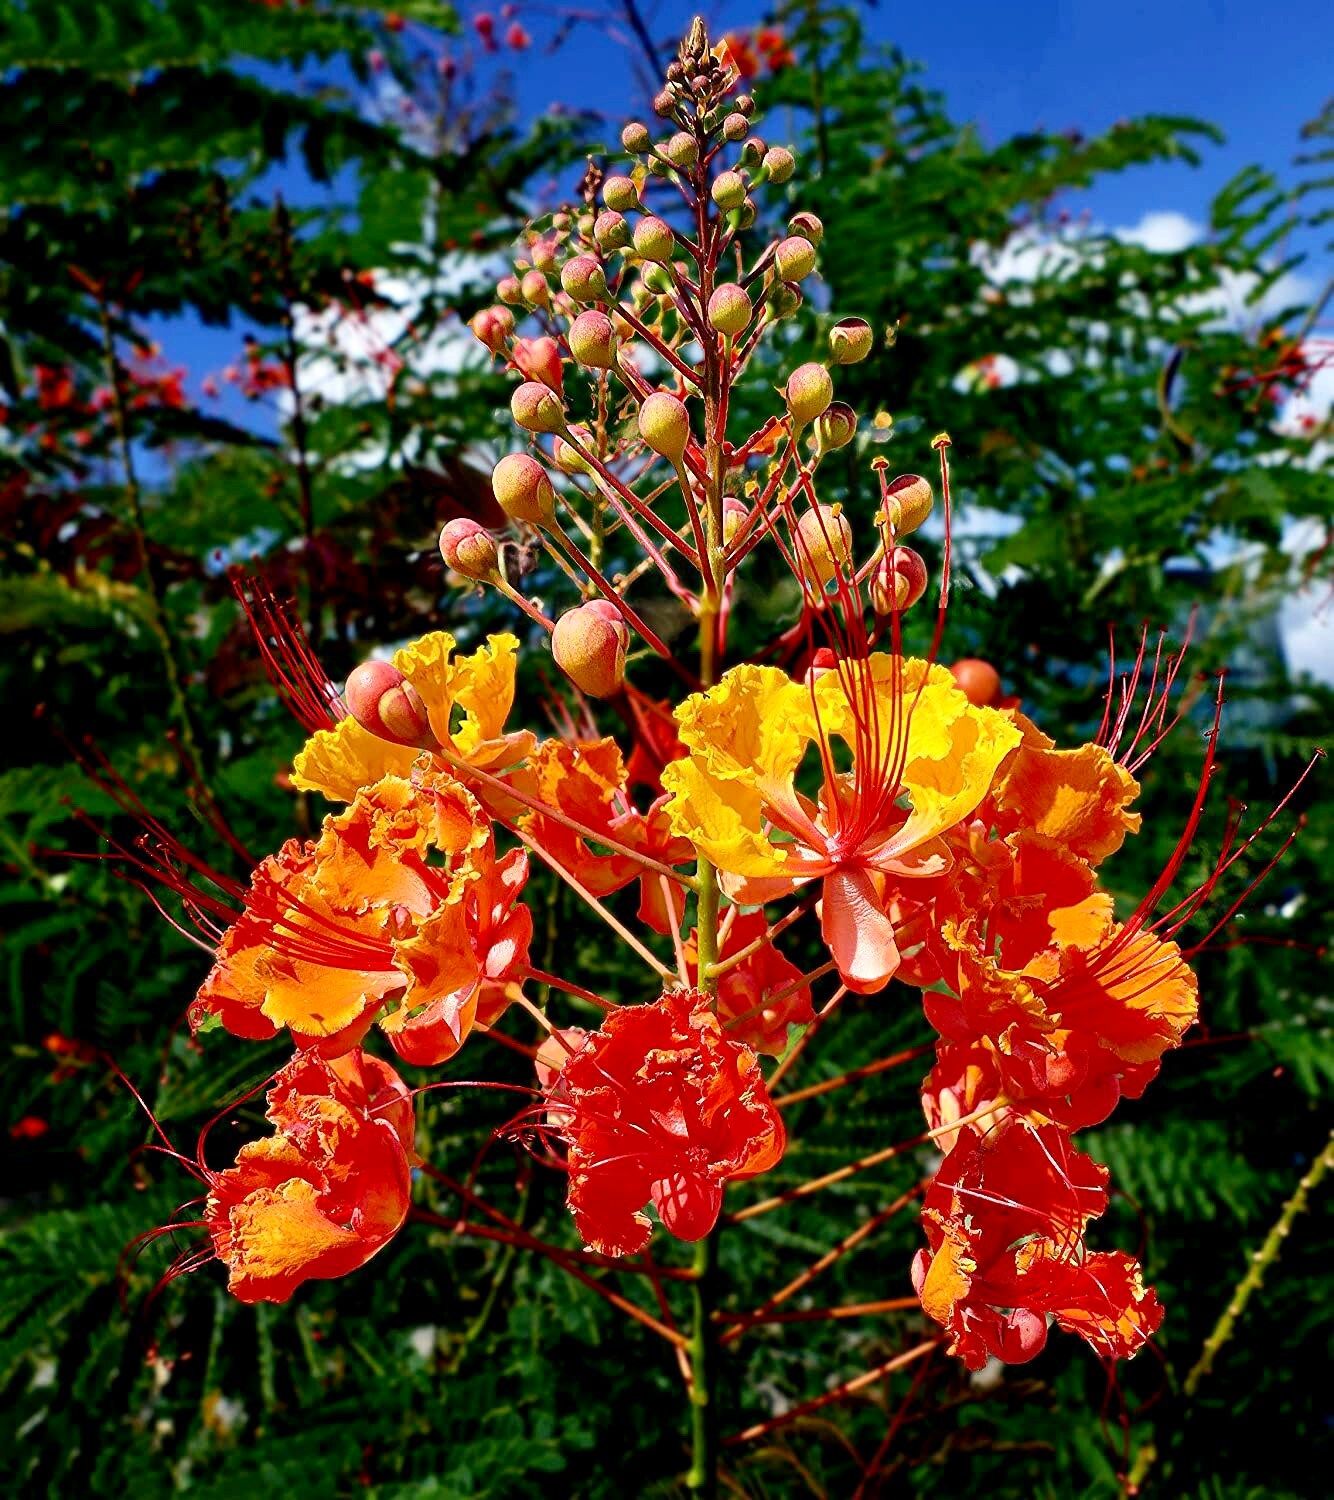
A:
(682, 150)
(654, 239)
(584, 279)
(593, 340)
(908, 502)
(807, 226)
(522, 486)
(611, 230)
(735, 127)
(794, 259)
(729, 309)
(809, 392)
(620, 194)
(664, 424)
(850, 341)
(779, 164)
(837, 427)
(537, 408)
(728, 190)
(635, 138)
(823, 544)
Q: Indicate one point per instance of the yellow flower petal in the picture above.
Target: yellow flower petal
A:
(340, 761)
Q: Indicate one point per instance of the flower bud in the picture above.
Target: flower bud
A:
(664, 424)
(682, 150)
(509, 290)
(807, 226)
(729, 309)
(837, 427)
(523, 489)
(656, 279)
(823, 544)
(469, 549)
(492, 327)
(584, 279)
(978, 680)
(387, 705)
(809, 392)
(568, 459)
(745, 105)
(654, 240)
(620, 194)
(794, 259)
(534, 289)
(539, 359)
(593, 340)
(850, 341)
(779, 164)
(560, 220)
(589, 644)
(611, 230)
(728, 190)
(908, 503)
(635, 138)
(784, 299)
(752, 152)
(745, 215)
(537, 408)
(664, 103)
(734, 514)
(735, 127)
(898, 582)
(543, 253)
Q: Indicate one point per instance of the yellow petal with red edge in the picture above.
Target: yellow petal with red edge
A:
(1076, 797)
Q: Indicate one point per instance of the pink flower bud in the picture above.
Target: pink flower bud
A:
(535, 288)
(543, 253)
(611, 230)
(728, 190)
(664, 424)
(469, 549)
(386, 704)
(654, 240)
(729, 309)
(584, 279)
(823, 544)
(850, 341)
(510, 290)
(681, 150)
(539, 359)
(779, 164)
(807, 225)
(635, 138)
(898, 582)
(794, 259)
(908, 503)
(593, 340)
(589, 644)
(522, 487)
(734, 514)
(620, 194)
(735, 127)
(809, 392)
(493, 327)
(837, 427)
(537, 408)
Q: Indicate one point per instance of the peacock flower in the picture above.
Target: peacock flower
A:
(922, 758)
(1005, 1221)
(467, 700)
(661, 1107)
(398, 913)
(327, 1190)
(760, 995)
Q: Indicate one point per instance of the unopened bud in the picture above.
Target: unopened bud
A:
(535, 290)
(584, 279)
(728, 190)
(794, 259)
(735, 127)
(908, 503)
(469, 549)
(837, 427)
(543, 253)
(568, 458)
(745, 215)
(537, 408)
(620, 194)
(509, 289)
(611, 230)
(978, 680)
(523, 489)
(635, 138)
(734, 515)
(807, 225)
(729, 309)
(664, 103)
(785, 299)
(809, 392)
(539, 359)
(492, 327)
(654, 240)
(656, 278)
(745, 105)
(898, 582)
(593, 340)
(386, 704)
(823, 544)
(589, 644)
(779, 164)
(752, 152)
(850, 341)
(664, 424)
(682, 150)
